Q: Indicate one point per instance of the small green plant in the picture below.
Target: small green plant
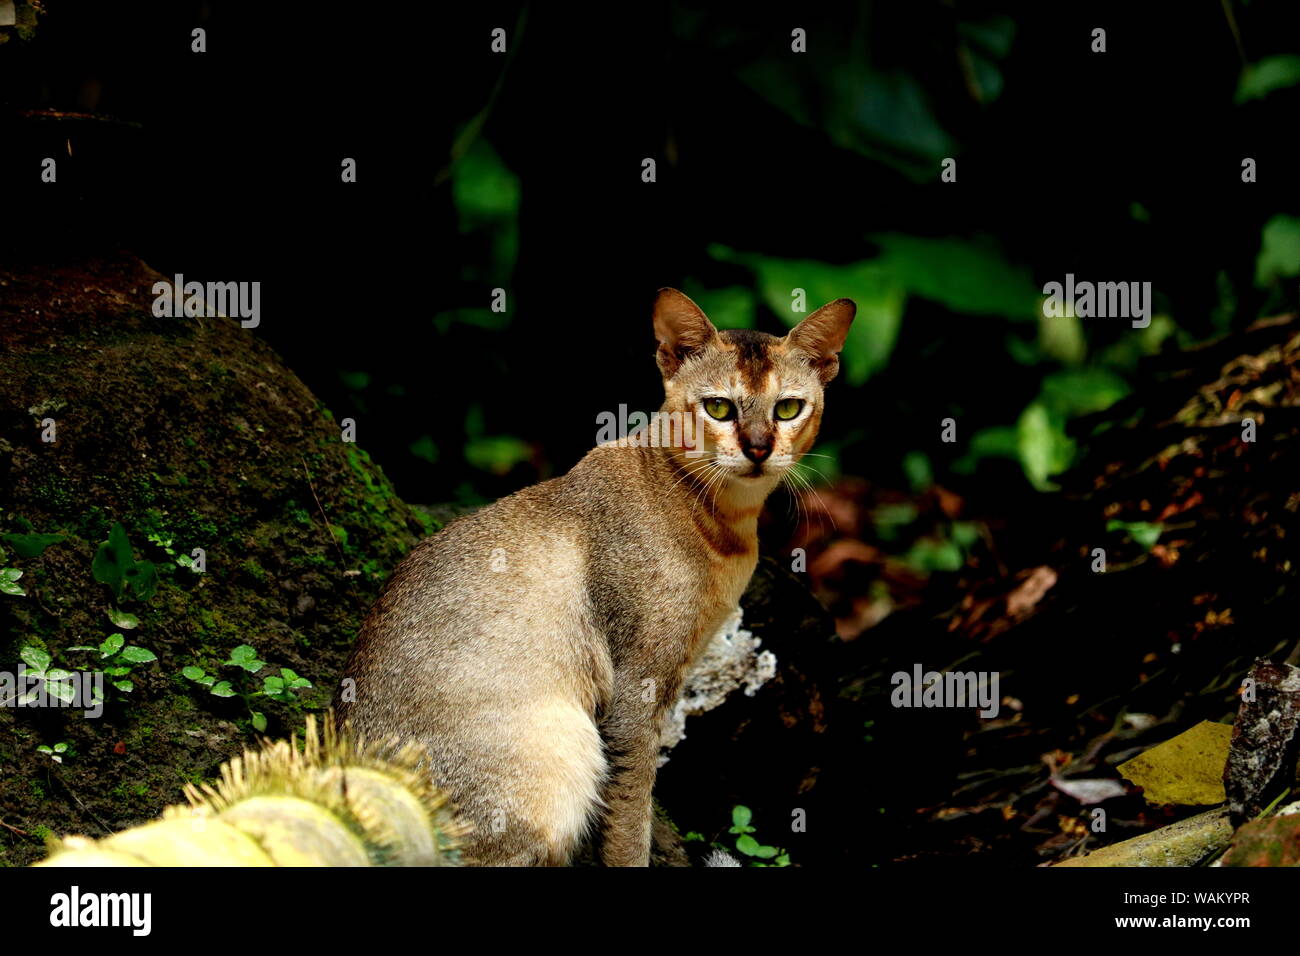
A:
(745, 843)
(182, 560)
(39, 665)
(25, 546)
(9, 582)
(31, 545)
(55, 753)
(116, 566)
(119, 658)
(245, 657)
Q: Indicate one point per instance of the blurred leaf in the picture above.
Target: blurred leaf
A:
(31, 545)
(1269, 74)
(1043, 446)
(732, 307)
(483, 318)
(879, 299)
(934, 554)
(970, 276)
(1279, 250)
(497, 453)
(1145, 533)
(885, 116)
(999, 441)
(1061, 337)
(916, 466)
(484, 190)
(1082, 391)
(354, 381)
(487, 196)
(992, 36)
(425, 449)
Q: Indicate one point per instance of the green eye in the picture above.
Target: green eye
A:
(719, 408)
(788, 408)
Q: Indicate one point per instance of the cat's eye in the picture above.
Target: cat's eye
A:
(719, 408)
(788, 408)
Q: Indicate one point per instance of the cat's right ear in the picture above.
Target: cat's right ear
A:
(681, 329)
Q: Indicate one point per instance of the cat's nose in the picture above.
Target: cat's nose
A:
(757, 453)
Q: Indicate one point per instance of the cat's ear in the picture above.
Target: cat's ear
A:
(821, 336)
(681, 329)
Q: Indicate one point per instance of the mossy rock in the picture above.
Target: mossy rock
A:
(190, 431)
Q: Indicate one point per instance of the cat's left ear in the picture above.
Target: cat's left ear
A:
(681, 329)
(820, 337)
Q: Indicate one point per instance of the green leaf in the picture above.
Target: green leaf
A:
(259, 721)
(497, 453)
(1044, 447)
(192, 672)
(112, 644)
(933, 554)
(64, 692)
(57, 673)
(125, 686)
(425, 449)
(1279, 250)
(246, 657)
(122, 619)
(207, 680)
(117, 671)
(288, 675)
(487, 194)
(142, 579)
(223, 689)
(741, 816)
(113, 560)
(138, 655)
(10, 574)
(1269, 74)
(879, 295)
(971, 276)
(747, 845)
(43, 749)
(31, 545)
(60, 748)
(766, 852)
(1145, 533)
(38, 659)
(7, 586)
(732, 307)
(272, 686)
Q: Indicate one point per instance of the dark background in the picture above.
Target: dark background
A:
(231, 172)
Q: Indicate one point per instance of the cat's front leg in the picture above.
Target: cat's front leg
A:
(632, 747)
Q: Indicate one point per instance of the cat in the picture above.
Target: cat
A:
(534, 646)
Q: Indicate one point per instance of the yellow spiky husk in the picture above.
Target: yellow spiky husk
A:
(337, 801)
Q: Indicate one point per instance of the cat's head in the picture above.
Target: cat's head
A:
(756, 399)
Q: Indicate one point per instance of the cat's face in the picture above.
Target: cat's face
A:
(755, 399)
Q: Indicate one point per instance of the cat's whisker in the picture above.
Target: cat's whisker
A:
(813, 491)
